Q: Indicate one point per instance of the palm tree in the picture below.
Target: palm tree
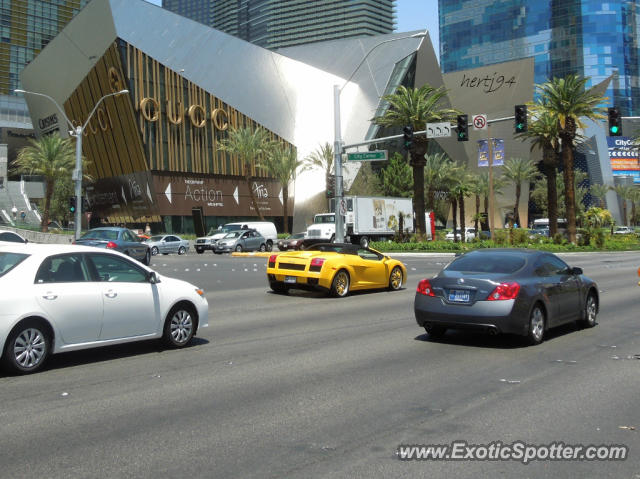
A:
(625, 193)
(517, 171)
(567, 100)
(282, 162)
(248, 145)
(321, 158)
(483, 189)
(461, 187)
(543, 131)
(53, 158)
(599, 191)
(416, 107)
(436, 169)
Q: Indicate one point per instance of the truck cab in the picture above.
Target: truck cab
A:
(323, 227)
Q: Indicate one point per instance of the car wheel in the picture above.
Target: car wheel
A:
(239, 248)
(182, 250)
(536, 325)
(590, 311)
(27, 347)
(154, 250)
(263, 247)
(340, 284)
(269, 246)
(279, 288)
(364, 242)
(179, 327)
(435, 331)
(147, 258)
(395, 279)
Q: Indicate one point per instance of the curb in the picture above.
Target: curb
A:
(254, 254)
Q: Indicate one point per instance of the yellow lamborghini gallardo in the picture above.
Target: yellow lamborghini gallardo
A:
(336, 268)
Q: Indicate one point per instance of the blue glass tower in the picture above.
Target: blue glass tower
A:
(590, 38)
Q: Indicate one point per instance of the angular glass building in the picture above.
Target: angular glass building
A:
(591, 38)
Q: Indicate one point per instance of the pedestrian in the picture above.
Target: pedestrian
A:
(23, 215)
(14, 212)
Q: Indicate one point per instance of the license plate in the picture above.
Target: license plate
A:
(290, 279)
(459, 296)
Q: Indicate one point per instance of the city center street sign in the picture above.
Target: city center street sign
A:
(378, 155)
(438, 130)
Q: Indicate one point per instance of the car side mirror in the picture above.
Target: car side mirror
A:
(576, 271)
(153, 278)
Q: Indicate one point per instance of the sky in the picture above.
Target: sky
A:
(411, 15)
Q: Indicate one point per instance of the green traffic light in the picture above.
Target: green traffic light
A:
(614, 129)
(519, 126)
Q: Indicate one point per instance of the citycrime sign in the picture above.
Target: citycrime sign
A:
(624, 157)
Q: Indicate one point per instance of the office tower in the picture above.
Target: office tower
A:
(589, 38)
(284, 23)
(26, 26)
(198, 10)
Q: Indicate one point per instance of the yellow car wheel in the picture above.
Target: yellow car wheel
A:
(395, 279)
(340, 284)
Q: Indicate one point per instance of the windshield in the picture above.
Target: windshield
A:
(484, 263)
(101, 234)
(325, 219)
(233, 234)
(8, 261)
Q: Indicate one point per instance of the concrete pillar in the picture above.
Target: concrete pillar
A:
(4, 158)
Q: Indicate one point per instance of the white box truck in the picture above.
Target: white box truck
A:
(367, 218)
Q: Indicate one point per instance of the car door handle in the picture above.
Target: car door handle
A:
(111, 294)
(50, 296)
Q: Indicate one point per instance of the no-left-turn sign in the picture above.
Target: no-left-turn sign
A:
(479, 122)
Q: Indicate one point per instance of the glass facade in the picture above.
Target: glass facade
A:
(285, 23)
(592, 38)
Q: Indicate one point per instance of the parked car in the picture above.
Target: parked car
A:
(469, 234)
(59, 298)
(624, 230)
(294, 241)
(11, 237)
(119, 239)
(241, 240)
(166, 244)
(337, 268)
(517, 291)
(265, 228)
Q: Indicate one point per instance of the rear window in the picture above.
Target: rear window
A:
(101, 234)
(8, 261)
(485, 263)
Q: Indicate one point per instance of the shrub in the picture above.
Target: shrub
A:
(558, 238)
(600, 239)
(520, 236)
(500, 237)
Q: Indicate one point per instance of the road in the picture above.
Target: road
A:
(303, 386)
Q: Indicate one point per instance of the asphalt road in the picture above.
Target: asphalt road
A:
(308, 386)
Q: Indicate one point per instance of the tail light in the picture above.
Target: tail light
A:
(504, 291)
(74, 242)
(424, 287)
(316, 264)
(111, 245)
(272, 260)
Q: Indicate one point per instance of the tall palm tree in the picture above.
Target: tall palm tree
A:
(282, 162)
(599, 191)
(625, 193)
(517, 171)
(321, 158)
(416, 107)
(543, 131)
(483, 189)
(53, 158)
(436, 169)
(567, 100)
(248, 144)
(461, 186)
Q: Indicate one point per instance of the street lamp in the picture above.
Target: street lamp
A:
(76, 131)
(337, 145)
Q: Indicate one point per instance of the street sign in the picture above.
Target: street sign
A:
(438, 130)
(379, 155)
(479, 122)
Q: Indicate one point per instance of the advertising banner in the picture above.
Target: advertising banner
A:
(624, 157)
(498, 152)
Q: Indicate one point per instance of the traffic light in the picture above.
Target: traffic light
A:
(615, 122)
(85, 205)
(72, 204)
(521, 118)
(407, 131)
(331, 186)
(463, 127)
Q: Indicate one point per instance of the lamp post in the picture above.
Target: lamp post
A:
(76, 131)
(337, 145)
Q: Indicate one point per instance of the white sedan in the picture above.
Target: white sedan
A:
(57, 298)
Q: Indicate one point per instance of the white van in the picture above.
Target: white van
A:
(265, 228)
